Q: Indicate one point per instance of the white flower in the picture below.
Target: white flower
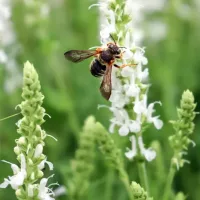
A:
(133, 151)
(19, 175)
(44, 192)
(125, 124)
(139, 57)
(42, 164)
(149, 154)
(129, 88)
(140, 107)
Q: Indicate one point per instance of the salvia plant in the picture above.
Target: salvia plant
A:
(27, 179)
(132, 116)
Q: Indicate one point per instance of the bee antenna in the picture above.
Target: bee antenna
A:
(113, 38)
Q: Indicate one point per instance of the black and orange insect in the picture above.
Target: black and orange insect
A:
(101, 64)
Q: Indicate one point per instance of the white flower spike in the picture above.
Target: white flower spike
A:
(129, 104)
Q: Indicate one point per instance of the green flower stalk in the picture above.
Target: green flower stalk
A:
(112, 154)
(180, 141)
(29, 148)
(82, 166)
(183, 127)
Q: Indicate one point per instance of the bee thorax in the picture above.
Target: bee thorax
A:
(106, 56)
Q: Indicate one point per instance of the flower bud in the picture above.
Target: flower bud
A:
(17, 150)
(38, 150)
(40, 174)
(22, 141)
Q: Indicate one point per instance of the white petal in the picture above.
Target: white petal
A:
(93, 5)
(145, 74)
(144, 60)
(50, 165)
(157, 123)
(139, 107)
(41, 165)
(130, 154)
(133, 90)
(42, 185)
(15, 169)
(38, 150)
(127, 54)
(30, 190)
(135, 127)
(124, 130)
(118, 99)
(150, 111)
(149, 154)
(112, 127)
(17, 180)
(140, 142)
(23, 162)
(105, 33)
(4, 184)
(127, 71)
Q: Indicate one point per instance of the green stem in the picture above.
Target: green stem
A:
(143, 176)
(125, 179)
(168, 185)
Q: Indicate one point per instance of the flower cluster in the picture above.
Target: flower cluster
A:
(29, 149)
(131, 112)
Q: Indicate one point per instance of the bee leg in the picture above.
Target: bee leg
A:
(115, 65)
(120, 56)
(124, 65)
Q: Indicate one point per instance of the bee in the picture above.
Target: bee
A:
(101, 65)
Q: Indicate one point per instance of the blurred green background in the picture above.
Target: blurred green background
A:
(44, 30)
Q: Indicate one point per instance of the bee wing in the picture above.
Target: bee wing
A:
(79, 55)
(106, 84)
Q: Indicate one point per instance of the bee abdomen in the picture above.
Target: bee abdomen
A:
(97, 69)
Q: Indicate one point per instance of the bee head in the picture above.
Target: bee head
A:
(114, 48)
